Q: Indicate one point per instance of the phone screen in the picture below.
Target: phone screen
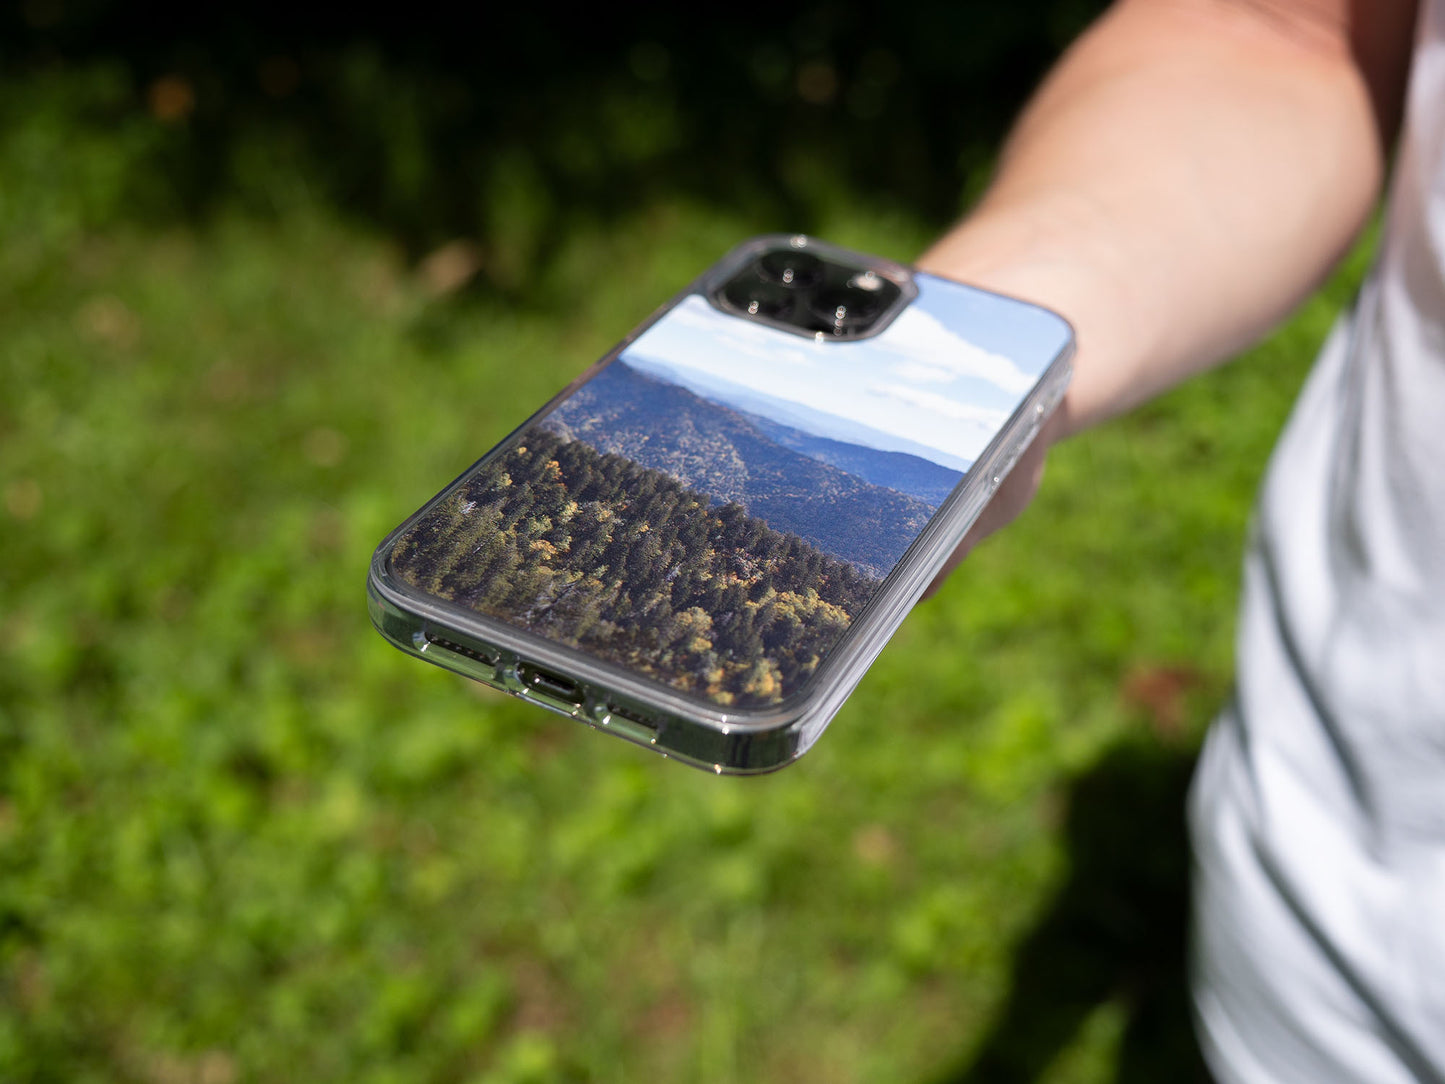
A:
(715, 507)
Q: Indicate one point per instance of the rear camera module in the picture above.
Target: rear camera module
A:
(819, 293)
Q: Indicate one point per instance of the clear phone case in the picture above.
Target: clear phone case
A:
(704, 540)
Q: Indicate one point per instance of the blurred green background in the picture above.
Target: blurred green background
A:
(266, 282)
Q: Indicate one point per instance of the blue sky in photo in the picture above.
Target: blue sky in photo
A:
(947, 373)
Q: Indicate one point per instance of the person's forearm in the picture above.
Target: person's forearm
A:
(1188, 173)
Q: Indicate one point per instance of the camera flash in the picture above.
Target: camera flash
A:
(868, 280)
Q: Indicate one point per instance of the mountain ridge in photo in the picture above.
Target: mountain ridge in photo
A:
(733, 457)
(788, 412)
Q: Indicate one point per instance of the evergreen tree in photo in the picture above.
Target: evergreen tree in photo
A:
(627, 564)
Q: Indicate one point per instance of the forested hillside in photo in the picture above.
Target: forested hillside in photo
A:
(624, 562)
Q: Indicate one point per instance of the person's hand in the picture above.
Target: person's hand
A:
(1012, 497)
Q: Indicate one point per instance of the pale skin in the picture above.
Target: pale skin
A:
(1186, 175)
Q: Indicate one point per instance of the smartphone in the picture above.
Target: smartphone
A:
(703, 541)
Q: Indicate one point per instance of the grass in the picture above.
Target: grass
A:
(242, 839)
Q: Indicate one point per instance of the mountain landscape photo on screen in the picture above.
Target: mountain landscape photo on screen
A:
(715, 507)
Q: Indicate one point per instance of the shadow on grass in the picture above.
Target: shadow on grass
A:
(1114, 933)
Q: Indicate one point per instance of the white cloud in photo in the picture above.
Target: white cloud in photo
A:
(916, 383)
(942, 406)
(919, 337)
(916, 372)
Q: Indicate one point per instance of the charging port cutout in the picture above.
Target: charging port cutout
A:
(554, 689)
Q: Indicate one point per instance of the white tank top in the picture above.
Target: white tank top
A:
(1331, 763)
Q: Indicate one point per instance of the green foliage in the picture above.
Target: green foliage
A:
(243, 839)
(491, 125)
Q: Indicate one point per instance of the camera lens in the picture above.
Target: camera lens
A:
(845, 308)
(792, 269)
(823, 294)
(756, 297)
